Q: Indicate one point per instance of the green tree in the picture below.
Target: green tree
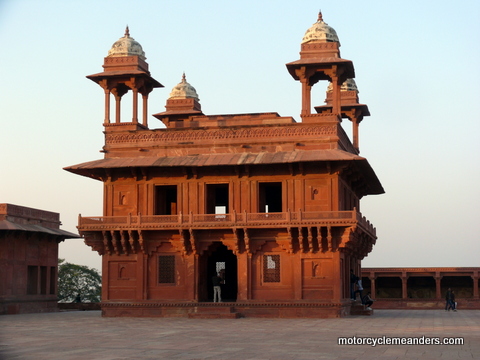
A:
(78, 280)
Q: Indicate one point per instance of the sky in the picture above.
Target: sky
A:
(417, 69)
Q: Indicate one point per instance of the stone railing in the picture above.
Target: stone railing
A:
(240, 219)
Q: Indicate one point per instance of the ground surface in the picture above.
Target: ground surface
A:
(86, 335)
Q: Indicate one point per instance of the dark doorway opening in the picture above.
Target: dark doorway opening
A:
(166, 200)
(217, 199)
(270, 197)
(220, 259)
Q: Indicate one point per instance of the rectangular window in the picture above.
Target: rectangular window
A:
(217, 199)
(166, 269)
(166, 200)
(270, 197)
(43, 280)
(53, 278)
(32, 280)
(271, 268)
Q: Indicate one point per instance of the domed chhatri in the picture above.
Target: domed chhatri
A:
(184, 90)
(348, 85)
(126, 46)
(320, 31)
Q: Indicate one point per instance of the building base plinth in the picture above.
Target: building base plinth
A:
(230, 310)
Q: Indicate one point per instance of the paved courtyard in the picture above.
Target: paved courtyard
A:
(86, 335)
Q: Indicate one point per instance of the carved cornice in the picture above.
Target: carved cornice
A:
(201, 135)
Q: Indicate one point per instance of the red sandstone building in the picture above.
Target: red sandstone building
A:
(272, 202)
(422, 287)
(29, 241)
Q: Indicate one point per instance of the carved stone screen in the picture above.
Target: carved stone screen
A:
(166, 269)
(271, 268)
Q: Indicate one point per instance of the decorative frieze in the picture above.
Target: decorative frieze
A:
(201, 135)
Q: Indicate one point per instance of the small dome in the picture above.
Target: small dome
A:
(126, 46)
(348, 85)
(184, 90)
(320, 31)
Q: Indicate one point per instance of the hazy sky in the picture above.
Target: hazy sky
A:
(417, 69)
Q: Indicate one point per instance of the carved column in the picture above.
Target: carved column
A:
(404, 286)
(475, 285)
(242, 276)
(438, 286)
(135, 106)
(336, 108)
(355, 134)
(118, 100)
(105, 278)
(306, 100)
(144, 273)
(145, 110)
(373, 287)
(107, 106)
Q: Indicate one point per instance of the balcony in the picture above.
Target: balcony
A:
(222, 221)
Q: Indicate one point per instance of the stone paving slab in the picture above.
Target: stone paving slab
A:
(86, 335)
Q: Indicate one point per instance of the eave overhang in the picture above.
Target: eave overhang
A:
(96, 169)
(6, 225)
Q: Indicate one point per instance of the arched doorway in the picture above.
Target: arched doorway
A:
(220, 258)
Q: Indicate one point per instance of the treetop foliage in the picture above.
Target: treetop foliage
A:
(78, 282)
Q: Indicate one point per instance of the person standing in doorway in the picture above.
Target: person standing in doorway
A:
(217, 290)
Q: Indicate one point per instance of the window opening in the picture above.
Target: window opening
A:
(270, 197)
(53, 277)
(166, 269)
(217, 199)
(43, 280)
(166, 200)
(32, 280)
(271, 268)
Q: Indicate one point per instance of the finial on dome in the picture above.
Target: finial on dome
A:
(184, 90)
(127, 46)
(321, 32)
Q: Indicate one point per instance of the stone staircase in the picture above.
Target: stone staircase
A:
(214, 312)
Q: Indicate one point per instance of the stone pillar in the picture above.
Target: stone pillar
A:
(438, 286)
(242, 276)
(404, 287)
(135, 107)
(144, 273)
(336, 105)
(355, 134)
(191, 277)
(145, 110)
(118, 100)
(475, 285)
(306, 97)
(107, 106)
(296, 262)
(105, 278)
(373, 288)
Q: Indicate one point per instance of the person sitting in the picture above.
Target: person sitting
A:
(368, 301)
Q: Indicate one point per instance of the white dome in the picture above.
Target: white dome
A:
(320, 31)
(184, 90)
(348, 85)
(126, 46)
